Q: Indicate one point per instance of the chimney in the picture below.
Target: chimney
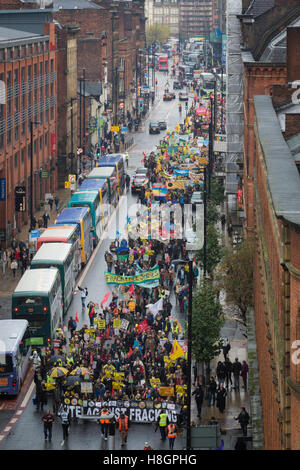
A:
(293, 54)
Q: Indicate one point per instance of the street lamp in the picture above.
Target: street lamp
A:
(72, 155)
(189, 345)
(32, 123)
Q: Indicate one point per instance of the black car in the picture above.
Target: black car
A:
(162, 125)
(177, 86)
(154, 128)
(168, 96)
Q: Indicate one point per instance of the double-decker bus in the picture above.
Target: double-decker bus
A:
(207, 83)
(63, 257)
(163, 63)
(100, 186)
(109, 175)
(116, 161)
(38, 299)
(90, 199)
(81, 216)
(60, 234)
(15, 351)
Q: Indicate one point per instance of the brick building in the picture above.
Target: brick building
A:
(271, 191)
(28, 72)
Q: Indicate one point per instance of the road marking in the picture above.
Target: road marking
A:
(27, 396)
(1, 437)
(13, 420)
(7, 429)
(19, 412)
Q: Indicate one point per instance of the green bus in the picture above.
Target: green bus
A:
(90, 199)
(63, 257)
(38, 299)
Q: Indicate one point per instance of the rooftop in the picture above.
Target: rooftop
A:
(259, 7)
(9, 34)
(75, 5)
(282, 174)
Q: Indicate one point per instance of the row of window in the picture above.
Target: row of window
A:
(24, 50)
(172, 19)
(42, 141)
(166, 11)
(37, 114)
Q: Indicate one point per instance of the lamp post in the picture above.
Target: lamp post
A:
(32, 123)
(189, 352)
(72, 155)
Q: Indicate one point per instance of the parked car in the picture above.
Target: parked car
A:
(183, 96)
(141, 171)
(154, 128)
(138, 182)
(162, 125)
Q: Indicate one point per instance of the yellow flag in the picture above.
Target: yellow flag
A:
(176, 351)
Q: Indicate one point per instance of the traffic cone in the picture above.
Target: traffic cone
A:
(76, 318)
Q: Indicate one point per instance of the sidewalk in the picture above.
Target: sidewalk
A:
(8, 283)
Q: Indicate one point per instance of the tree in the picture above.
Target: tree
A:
(157, 33)
(207, 321)
(235, 276)
(214, 251)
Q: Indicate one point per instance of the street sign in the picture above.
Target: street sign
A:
(115, 128)
(72, 178)
(124, 129)
(35, 233)
(2, 189)
(67, 185)
(45, 174)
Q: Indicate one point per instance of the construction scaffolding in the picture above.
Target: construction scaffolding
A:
(234, 97)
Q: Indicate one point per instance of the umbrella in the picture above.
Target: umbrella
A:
(73, 380)
(80, 371)
(57, 358)
(57, 372)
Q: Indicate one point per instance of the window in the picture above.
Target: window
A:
(29, 151)
(41, 142)
(16, 160)
(34, 147)
(22, 155)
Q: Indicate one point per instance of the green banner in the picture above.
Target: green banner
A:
(147, 278)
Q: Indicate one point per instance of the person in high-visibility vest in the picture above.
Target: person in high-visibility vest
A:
(123, 427)
(172, 434)
(162, 423)
(104, 421)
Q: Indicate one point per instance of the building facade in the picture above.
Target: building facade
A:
(28, 75)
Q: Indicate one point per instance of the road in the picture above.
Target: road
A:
(20, 424)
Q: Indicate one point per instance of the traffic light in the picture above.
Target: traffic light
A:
(186, 105)
(98, 152)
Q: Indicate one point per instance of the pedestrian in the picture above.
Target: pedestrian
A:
(199, 395)
(244, 373)
(162, 423)
(56, 202)
(221, 398)
(228, 372)
(172, 434)
(127, 182)
(147, 446)
(4, 259)
(91, 313)
(14, 267)
(83, 295)
(123, 428)
(236, 369)
(104, 422)
(230, 229)
(50, 202)
(46, 219)
(221, 372)
(48, 419)
(65, 422)
(195, 370)
(211, 393)
(226, 348)
(72, 325)
(243, 418)
(127, 158)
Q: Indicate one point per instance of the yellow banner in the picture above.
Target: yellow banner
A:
(166, 391)
(100, 323)
(117, 323)
(155, 381)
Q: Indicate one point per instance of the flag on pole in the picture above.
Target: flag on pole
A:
(142, 326)
(76, 318)
(176, 351)
(129, 352)
(105, 299)
(157, 307)
(131, 290)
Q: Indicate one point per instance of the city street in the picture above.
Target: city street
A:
(27, 429)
